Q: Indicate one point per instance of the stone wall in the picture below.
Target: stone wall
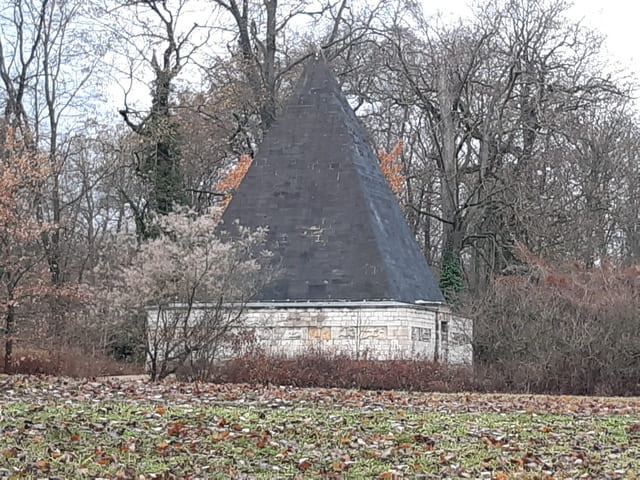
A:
(373, 330)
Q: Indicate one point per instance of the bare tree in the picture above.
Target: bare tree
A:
(47, 60)
(629, 220)
(158, 162)
(22, 175)
(194, 285)
(264, 33)
(494, 96)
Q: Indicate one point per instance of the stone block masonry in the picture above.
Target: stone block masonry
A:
(372, 330)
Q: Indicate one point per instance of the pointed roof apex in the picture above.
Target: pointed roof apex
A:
(335, 227)
(319, 52)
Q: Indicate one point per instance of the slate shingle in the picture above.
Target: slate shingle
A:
(335, 227)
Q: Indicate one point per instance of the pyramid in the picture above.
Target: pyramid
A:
(335, 228)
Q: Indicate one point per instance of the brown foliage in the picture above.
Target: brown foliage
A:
(21, 176)
(70, 362)
(232, 180)
(23, 274)
(563, 328)
(322, 369)
(392, 167)
(26, 287)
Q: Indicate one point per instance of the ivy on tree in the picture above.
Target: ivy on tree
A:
(451, 280)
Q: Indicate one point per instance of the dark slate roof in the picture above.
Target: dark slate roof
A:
(335, 227)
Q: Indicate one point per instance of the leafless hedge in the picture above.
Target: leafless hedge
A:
(563, 329)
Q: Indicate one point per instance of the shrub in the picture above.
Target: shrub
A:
(318, 369)
(167, 278)
(321, 369)
(69, 363)
(562, 329)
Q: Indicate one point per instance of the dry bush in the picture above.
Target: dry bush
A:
(190, 286)
(562, 329)
(322, 369)
(71, 362)
(35, 310)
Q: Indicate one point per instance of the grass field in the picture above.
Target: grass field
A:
(62, 428)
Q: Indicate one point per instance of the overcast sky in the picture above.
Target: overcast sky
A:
(616, 19)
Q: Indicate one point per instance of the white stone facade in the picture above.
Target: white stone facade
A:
(372, 330)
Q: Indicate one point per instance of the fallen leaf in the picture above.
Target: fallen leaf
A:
(176, 428)
(10, 452)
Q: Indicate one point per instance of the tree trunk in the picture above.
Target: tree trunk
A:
(452, 229)
(268, 110)
(9, 330)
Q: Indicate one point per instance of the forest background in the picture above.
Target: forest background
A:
(509, 135)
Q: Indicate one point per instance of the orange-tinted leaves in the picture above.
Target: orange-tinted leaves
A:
(176, 428)
(304, 464)
(392, 167)
(230, 183)
(10, 452)
(427, 441)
